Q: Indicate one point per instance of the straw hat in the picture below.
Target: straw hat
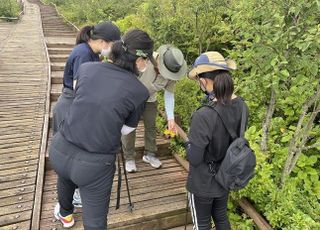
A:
(211, 61)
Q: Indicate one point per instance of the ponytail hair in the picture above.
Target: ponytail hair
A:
(84, 35)
(123, 59)
(125, 52)
(223, 86)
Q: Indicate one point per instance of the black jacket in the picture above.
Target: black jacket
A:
(209, 141)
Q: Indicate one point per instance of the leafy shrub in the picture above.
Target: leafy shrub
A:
(9, 8)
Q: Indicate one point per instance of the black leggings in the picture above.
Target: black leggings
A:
(92, 173)
(203, 208)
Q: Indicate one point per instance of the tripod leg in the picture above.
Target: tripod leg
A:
(127, 183)
(119, 183)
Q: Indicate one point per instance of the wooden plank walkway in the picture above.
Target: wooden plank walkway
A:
(23, 81)
(27, 181)
(6, 29)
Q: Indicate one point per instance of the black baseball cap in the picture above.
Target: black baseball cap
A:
(106, 31)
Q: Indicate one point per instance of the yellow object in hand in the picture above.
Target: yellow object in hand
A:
(169, 133)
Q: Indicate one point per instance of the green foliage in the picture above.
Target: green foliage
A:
(276, 45)
(187, 100)
(9, 8)
(238, 219)
(83, 12)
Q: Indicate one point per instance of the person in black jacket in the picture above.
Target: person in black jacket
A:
(209, 139)
(108, 103)
(90, 42)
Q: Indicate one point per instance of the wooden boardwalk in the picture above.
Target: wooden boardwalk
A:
(23, 84)
(30, 84)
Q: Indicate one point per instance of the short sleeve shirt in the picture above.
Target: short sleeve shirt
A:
(81, 53)
(155, 82)
(106, 98)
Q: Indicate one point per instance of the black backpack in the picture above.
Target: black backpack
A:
(237, 167)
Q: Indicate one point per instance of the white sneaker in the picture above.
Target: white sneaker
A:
(131, 166)
(152, 160)
(67, 221)
(77, 199)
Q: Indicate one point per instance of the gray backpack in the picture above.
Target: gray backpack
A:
(237, 167)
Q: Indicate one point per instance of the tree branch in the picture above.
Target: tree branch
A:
(306, 134)
(301, 135)
(267, 122)
(315, 145)
(298, 132)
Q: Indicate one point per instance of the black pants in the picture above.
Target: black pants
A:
(92, 173)
(204, 208)
(61, 108)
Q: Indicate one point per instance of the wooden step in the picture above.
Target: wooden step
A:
(60, 34)
(189, 227)
(59, 58)
(56, 77)
(57, 66)
(55, 91)
(59, 51)
(60, 45)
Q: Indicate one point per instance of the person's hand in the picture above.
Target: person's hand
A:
(171, 131)
(172, 126)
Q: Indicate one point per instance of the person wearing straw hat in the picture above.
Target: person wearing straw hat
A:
(169, 66)
(209, 139)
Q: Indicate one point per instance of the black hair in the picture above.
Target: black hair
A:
(222, 85)
(124, 51)
(84, 35)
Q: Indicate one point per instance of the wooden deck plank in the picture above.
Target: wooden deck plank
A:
(18, 226)
(16, 208)
(11, 166)
(18, 176)
(15, 218)
(15, 200)
(16, 191)
(22, 100)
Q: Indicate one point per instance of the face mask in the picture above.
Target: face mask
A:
(106, 52)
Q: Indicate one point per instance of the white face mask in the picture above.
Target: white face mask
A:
(106, 52)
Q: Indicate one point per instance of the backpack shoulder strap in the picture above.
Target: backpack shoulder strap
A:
(230, 130)
(228, 127)
(243, 119)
